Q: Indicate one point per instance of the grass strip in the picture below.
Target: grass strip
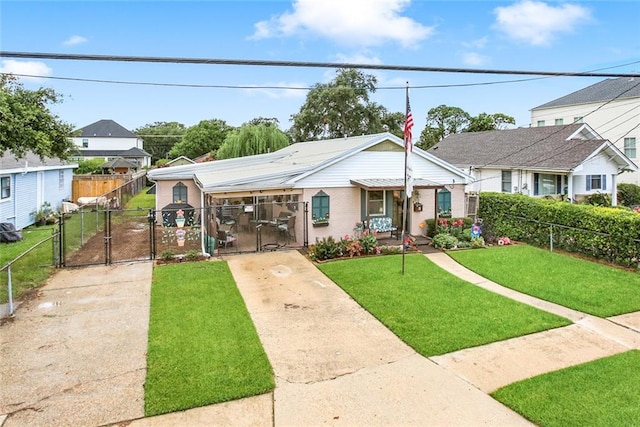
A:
(604, 393)
(430, 309)
(576, 283)
(203, 346)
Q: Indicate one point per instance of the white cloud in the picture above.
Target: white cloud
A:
(538, 23)
(477, 44)
(31, 68)
(474, 59)
(74, 40)
(358, 58)
(274, 91)
(352, 22)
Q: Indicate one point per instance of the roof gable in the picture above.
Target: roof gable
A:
(603, 91)
(105, 129)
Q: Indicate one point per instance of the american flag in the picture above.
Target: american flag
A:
(408, 124)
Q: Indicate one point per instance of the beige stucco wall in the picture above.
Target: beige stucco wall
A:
(344, 212)
(164, 193)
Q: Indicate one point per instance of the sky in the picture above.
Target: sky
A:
(528, 35)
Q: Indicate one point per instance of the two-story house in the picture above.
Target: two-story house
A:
(610, 107)
(107, 140)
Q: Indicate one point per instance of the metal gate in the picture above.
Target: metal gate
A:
(102, 235)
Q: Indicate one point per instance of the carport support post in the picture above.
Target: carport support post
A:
(551, 238)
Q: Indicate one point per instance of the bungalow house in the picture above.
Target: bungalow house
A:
(28, 183)
(571, 161)
(107, 140)
(610, 107)
(343, 182)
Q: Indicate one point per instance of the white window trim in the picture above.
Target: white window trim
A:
(6, 199)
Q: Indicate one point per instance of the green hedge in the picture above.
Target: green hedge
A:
(603, 233)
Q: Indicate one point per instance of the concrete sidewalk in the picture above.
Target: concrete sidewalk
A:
(492, 366)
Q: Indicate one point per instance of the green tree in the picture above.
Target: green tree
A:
(271, 121)
(26, 124)
(484, 121)
(442, 121)
(158, 138)
(341, 108)
(248, 140)
(205, 137)
(89, 166)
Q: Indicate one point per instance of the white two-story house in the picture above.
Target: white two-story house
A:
(107, 140)
(611, 107)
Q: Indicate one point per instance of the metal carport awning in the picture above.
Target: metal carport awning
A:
(394, 184)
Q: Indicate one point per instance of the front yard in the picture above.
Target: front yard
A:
(582, 285)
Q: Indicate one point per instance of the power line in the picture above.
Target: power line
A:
(305, 64)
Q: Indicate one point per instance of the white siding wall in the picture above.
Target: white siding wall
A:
(108, 143)
(614, 122)
(376, 165)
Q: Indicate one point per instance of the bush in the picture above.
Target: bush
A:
(445, 241)
(598, 199)
(324, 249)
(432, 229)
(595, 231)
(192, 255)
(628, 195)
(167, 255)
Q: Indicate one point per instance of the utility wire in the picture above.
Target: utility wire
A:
(305, 64)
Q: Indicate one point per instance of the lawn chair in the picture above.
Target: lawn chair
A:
(225, 239)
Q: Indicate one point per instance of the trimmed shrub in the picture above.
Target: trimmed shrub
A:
(600, 232)
(445, 241)
(628, 195)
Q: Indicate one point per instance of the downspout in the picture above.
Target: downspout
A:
(203, 225)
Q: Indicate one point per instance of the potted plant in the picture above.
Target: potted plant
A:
(45, 215)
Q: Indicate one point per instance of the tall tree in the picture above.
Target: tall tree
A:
(442, 121)
(26, 124)
(339, 108)
(158, 138)
(484, 121)
(249, 140)
(205, 137)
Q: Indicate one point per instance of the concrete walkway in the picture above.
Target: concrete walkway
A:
(494, 365)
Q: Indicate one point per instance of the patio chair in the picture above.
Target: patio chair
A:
(225, 239)
(288, 228)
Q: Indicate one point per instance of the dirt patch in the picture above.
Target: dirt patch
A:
(129, 241)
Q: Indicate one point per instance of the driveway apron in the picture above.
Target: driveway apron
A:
(336, 364)
(76, 354)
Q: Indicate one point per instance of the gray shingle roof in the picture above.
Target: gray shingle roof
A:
(106, 129)
(544, 147)
(603, 91)
(9, 162)
(132, 152)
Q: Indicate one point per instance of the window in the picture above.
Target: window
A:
(630, 147)
(577, 119)
(179, 193)
(375, 202)
(546, 184)
(506, 181)
(5, 187)
(596, 182)
(540, 123)
(320, 208)
(85, 143)
(559, 122)
(444, 203)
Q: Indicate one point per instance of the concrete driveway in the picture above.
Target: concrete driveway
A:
(76, 354)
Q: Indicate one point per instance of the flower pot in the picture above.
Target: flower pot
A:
(180, 222)
(180, 242)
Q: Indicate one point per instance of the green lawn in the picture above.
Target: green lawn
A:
(582, 285)
(605, 392)
(142, 200)
(203, 346)
(30, 236)
(431, 310)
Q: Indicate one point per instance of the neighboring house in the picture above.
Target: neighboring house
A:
(119, 165)
(107, 140)
(27, 183)
(571, 161)
(179, 161)
(344, 181)
(611, 107)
